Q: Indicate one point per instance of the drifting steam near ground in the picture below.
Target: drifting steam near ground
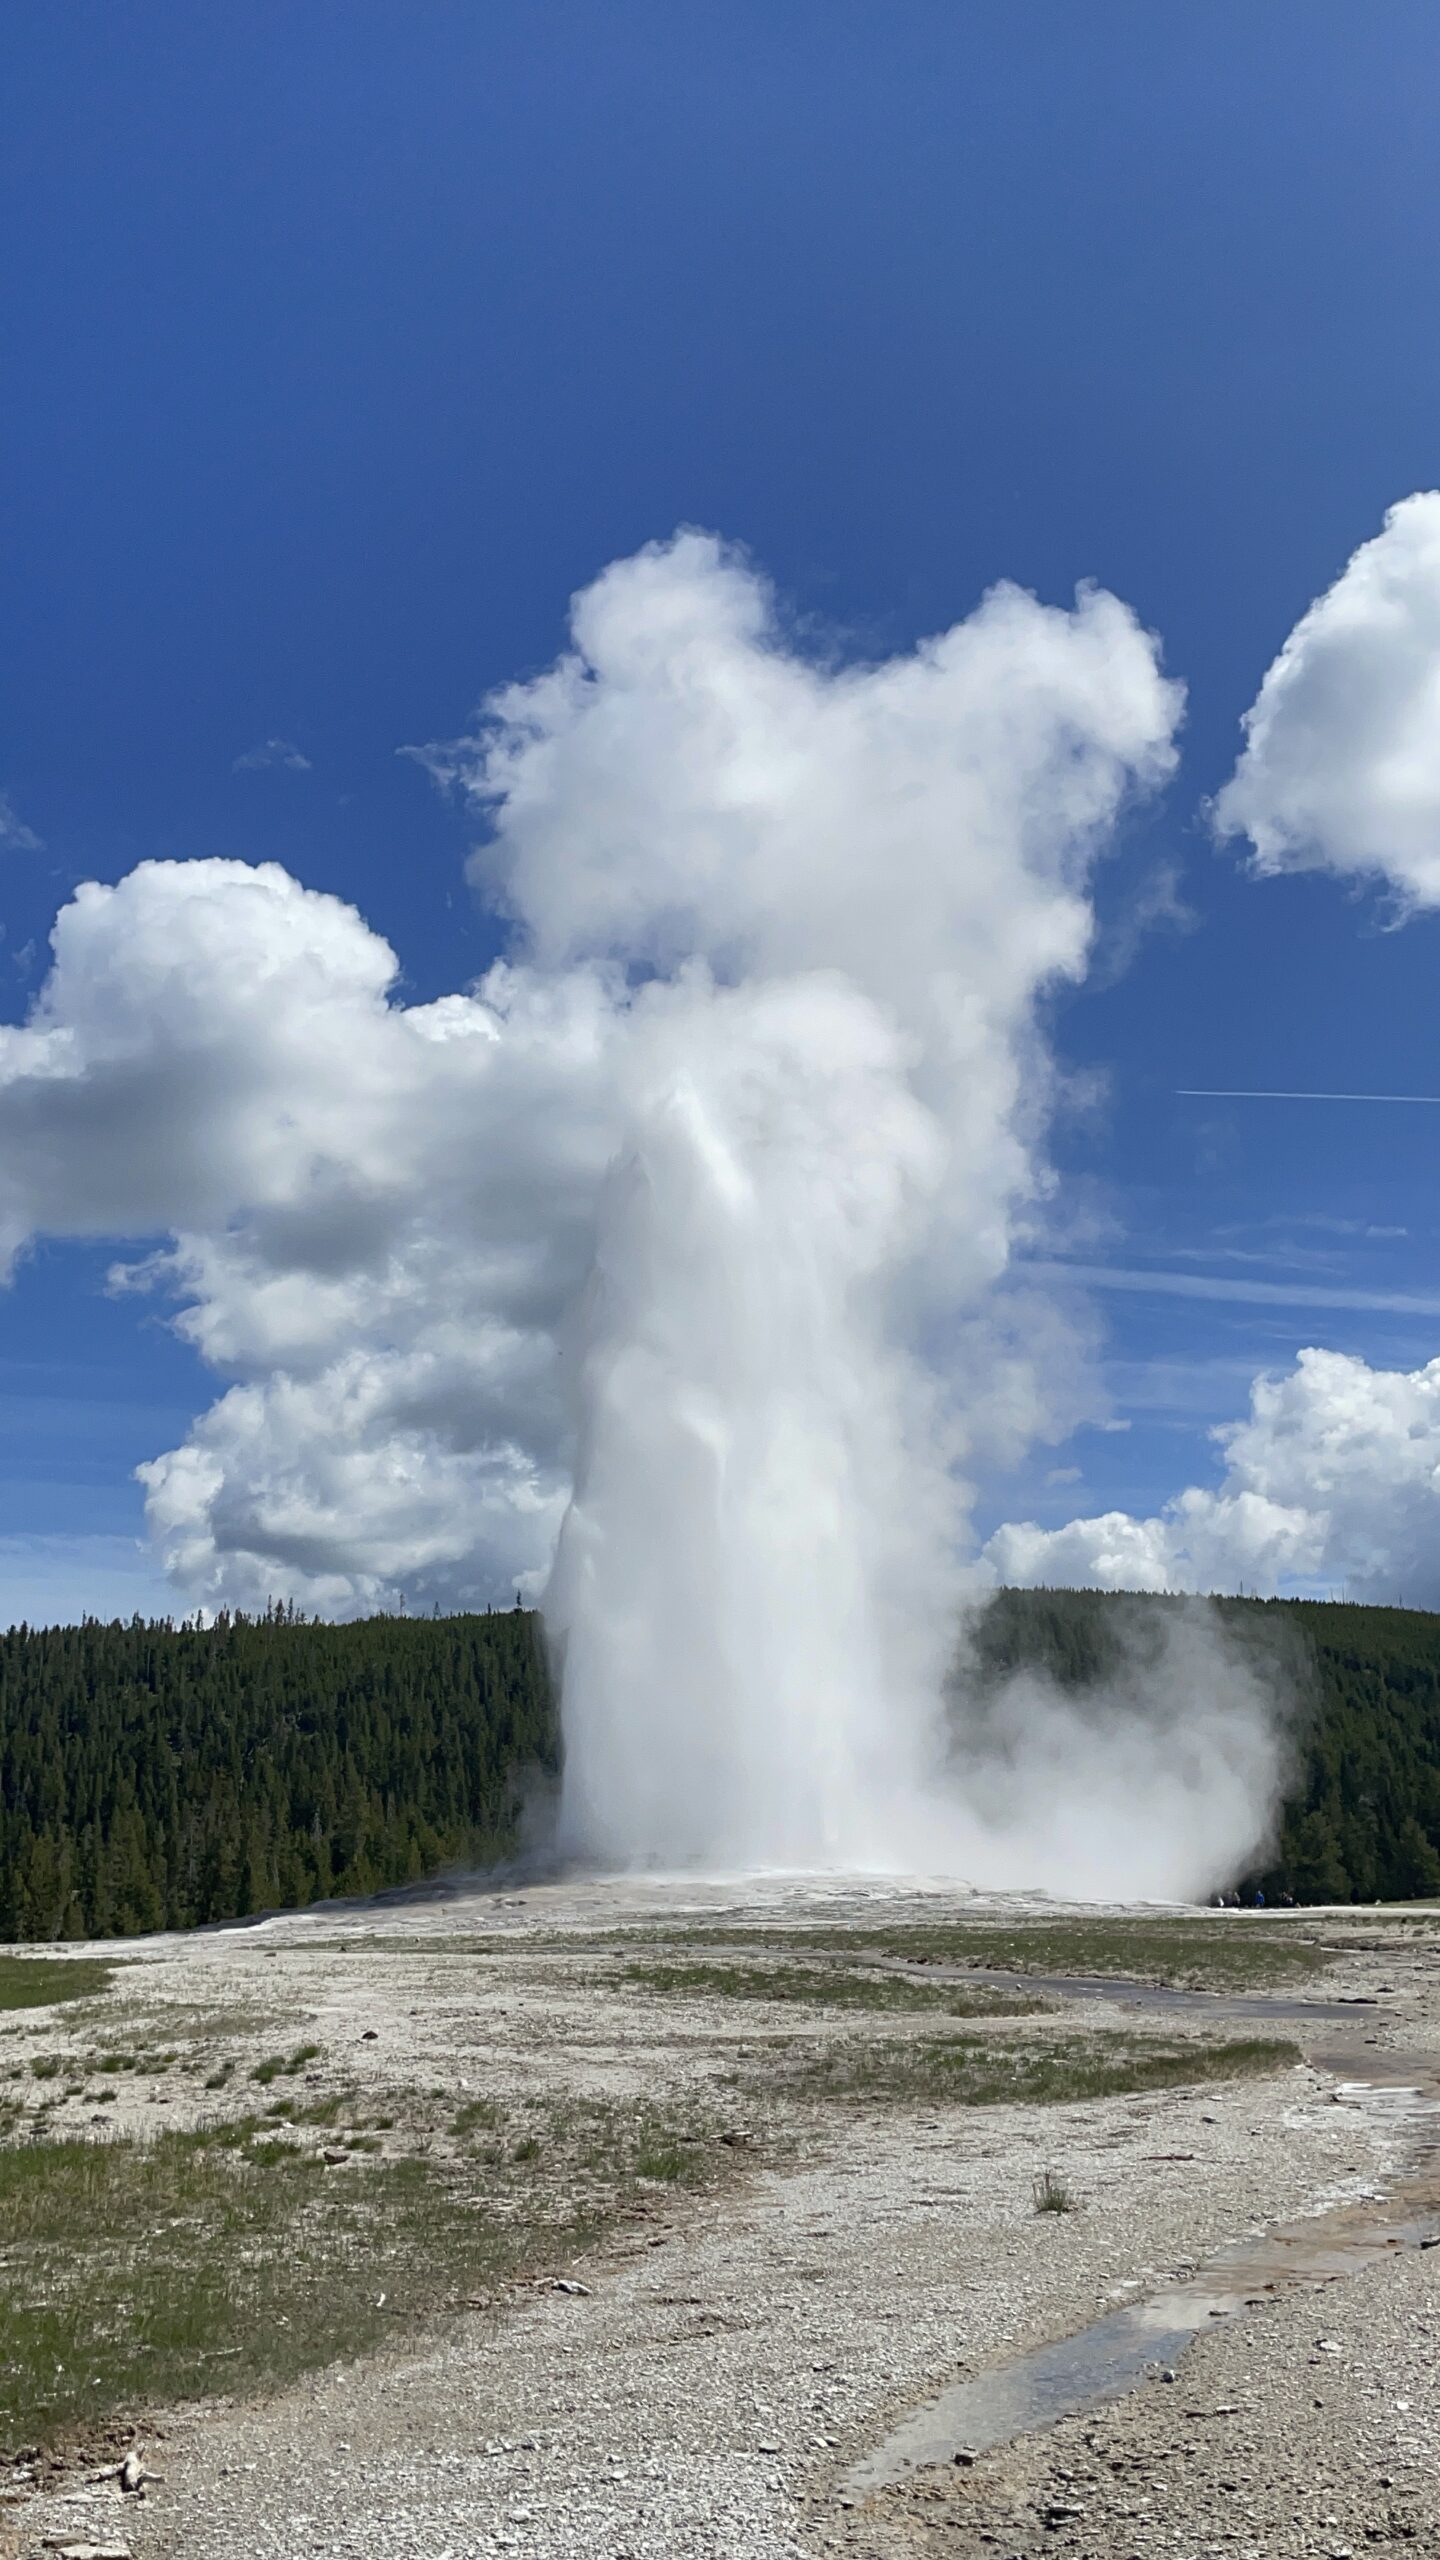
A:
(828, 900)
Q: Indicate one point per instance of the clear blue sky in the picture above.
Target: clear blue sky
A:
(343, 342)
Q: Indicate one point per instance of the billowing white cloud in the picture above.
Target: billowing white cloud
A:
(376, 1216)
(1341, 765)
(1332, 1481)
(376, 1221)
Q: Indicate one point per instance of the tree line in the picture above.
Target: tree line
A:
(155, 1776)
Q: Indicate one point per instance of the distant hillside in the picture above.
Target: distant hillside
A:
(156, 1777)
(1363, 1820)
(161, 1777)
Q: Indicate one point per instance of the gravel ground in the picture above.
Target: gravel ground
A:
(1312, 2427)
(734, 2356)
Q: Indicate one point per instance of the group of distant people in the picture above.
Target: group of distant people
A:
(1237, 1902)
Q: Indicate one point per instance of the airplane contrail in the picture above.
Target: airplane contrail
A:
(1226, 1093)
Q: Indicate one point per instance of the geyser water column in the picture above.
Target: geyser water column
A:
(821, 903)
(750, 1579)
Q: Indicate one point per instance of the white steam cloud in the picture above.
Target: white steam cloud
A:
(1159, 1782)
(689, 1227)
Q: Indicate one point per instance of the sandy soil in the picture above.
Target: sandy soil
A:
(735, 2357)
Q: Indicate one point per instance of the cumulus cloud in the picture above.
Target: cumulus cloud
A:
(1332, 1480)
(272, 755)
(375, 1215)
(375, 1221)
(1341, 765)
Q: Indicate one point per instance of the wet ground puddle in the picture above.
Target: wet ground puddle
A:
(1125, 2347)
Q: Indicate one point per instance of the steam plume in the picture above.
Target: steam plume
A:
(830, 899)
(751, 1577)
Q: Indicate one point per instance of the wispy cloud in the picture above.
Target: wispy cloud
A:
(15, 836)
(52, 1580)
(1154, 905)
(1181, 1392)
(272, 755)
(1320, 1222)
(1249, 1293)
(1246, 1093)
(1293, 1257)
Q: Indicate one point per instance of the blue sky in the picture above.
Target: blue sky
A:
(347, 342)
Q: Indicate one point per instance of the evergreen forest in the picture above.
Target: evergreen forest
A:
(157, 1776)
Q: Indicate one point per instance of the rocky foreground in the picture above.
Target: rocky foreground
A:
(708, 2376)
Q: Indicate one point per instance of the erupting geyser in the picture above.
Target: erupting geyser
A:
(822, 903)
(752, 1581)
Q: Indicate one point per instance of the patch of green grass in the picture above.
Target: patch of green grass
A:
(33, 1982)
(270, 2152)
(231, 2258)
(832, 1986)
(672, 2164)
(1223, 1952)
(185, 2265)
(1220, 1954)
(1032, 2071)
(426, 1951)
(276, 2065)
(477, 2115)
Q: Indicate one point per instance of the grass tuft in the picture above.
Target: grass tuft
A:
(276, 2065)
(1051, 2194)
(477, 2115)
